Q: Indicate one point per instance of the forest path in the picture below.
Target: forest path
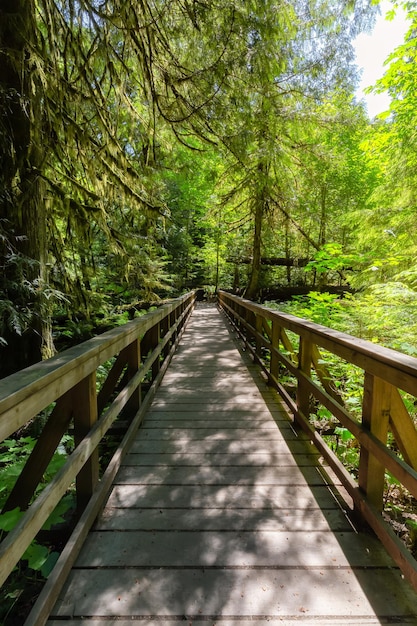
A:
(221, 514)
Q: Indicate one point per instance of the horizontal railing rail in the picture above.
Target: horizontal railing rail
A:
(139, 353)
(269, 336)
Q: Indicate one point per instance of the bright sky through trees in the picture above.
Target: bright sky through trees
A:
(371, 52)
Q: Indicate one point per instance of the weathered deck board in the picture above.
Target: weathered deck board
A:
(221, 515)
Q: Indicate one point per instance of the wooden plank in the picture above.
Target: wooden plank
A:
(258, 409)
(223, 384)
(179, 420)
(253, 519)
(210, 434)
(210, 474)
(181, 374)
(249, 621)
(233, 594)
(228, 548)
(210, 419)
(195, 459)
(228, 497)
(221, 396)
(224, 445)
(228, 407)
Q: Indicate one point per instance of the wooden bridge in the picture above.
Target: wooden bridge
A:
(218, 508)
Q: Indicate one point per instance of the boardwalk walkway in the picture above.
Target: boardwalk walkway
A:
(220, 514)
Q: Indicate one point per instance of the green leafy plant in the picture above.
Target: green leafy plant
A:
(39, 558)
(12, 460)
(320, 307)
(331, 257)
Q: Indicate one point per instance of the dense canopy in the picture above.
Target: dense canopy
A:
(152, 147)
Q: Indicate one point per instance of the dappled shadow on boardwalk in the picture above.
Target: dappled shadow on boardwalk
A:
(220, 513)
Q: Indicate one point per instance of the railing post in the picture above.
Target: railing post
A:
(274, 364)
(149, 343)
(133, 365)
(178, 313)
(164, 329)
(251, 321)
(240, 317)
(304, 365)
(375, 418)
(172, 320)
(155, 337)
(259, 331)
(241, 312)
(85, 416)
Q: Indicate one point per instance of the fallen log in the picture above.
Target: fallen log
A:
(274, 260)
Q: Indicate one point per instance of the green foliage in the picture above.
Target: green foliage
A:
(412, 527)
(377, 313)
(190, 228)
(155, 159)
(331, 258)
(13, 456)
(344, 444)
(382, 311)
(9, 519)
(320, 307)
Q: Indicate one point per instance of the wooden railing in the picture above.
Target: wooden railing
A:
(269, 335)
(141, 350)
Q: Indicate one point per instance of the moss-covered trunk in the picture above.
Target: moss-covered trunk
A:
(253, 285)
(24, 316)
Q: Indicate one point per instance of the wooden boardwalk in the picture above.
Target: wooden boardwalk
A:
(221, 515)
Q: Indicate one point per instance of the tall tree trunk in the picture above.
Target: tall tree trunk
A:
(323, 278)
(287, 250)
(253, 286)
(236, 279)
(25, 322)
(261, 203)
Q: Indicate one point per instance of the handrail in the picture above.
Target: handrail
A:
(385, 373)
(142, 350)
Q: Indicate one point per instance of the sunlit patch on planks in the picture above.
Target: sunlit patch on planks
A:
(220, 514)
